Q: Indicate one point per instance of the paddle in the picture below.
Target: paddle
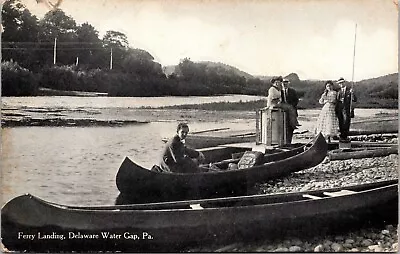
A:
(210, 130)
(244, 134)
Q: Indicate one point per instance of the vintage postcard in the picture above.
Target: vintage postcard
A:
(199, 126)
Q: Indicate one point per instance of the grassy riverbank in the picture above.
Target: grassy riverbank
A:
(253, 105)
(223, 106)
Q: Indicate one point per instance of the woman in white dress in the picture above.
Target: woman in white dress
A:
(328, 123)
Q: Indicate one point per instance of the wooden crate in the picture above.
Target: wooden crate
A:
(271, 127)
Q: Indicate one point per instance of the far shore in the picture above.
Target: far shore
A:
(130, 116)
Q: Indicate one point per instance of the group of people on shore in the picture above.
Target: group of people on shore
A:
(335, 116)
(334, 120)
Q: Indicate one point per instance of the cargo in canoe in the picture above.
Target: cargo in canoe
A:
(135, 182)
(172, 226)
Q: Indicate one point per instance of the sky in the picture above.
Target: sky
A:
(313, 38)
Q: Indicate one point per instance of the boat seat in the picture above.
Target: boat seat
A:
(339, 193)
(196, 207)
(283, 149)
(311, 196)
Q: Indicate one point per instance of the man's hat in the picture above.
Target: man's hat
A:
(285, 80)
(341, 80)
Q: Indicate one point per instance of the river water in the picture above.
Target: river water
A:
(77, 165)
(71, 102)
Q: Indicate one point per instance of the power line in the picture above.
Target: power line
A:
(51, 43)
(44, 49)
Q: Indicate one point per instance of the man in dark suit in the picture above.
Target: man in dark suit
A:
(177, 157)
(289, 96)
(345, 97)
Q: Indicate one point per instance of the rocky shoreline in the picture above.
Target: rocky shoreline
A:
(383, 238)
(67, 122)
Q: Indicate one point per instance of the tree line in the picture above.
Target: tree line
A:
(86, 62)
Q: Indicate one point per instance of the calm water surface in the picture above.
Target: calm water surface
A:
(71, 165)
(72, 102)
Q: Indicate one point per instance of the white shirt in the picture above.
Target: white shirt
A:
(285, 92)
(274, 97)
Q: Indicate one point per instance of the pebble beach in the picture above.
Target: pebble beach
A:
(329, 174)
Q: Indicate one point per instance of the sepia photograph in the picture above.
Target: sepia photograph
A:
(199, 126)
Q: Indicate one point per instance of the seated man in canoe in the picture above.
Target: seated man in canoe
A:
(177, 157)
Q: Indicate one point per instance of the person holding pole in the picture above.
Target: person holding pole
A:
(345, 98)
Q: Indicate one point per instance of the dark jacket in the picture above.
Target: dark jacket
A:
(344, 100)
(176, 154)
(292, 97)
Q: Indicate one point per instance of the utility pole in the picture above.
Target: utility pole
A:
(111, 59)
(354, 53)
(352, 75)
(55, 51)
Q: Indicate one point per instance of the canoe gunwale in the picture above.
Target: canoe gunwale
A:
(182, 226)
(358, 188)
(52, 212)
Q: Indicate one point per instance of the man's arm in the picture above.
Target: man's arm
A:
(176, 149)
(295, 97)
(354, 95)
(192, 153)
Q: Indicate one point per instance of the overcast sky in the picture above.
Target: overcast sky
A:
(314, 38)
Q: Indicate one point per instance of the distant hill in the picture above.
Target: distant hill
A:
(266, 78)
(386, 79)
(220, 68)
(293, 77)
(381, 91)
(169, 69)
(226, 69)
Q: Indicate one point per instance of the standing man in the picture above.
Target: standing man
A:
(345, 97)
(289, 96)
(277, 99)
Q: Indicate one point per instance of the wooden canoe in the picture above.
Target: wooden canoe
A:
(134, 181)
(175, 225)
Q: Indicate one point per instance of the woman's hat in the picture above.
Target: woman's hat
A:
(341, 80)
(278, 78)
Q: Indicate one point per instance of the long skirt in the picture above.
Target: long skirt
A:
(327, 123)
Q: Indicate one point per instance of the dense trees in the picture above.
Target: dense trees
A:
(16, 80)
(86, 62)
